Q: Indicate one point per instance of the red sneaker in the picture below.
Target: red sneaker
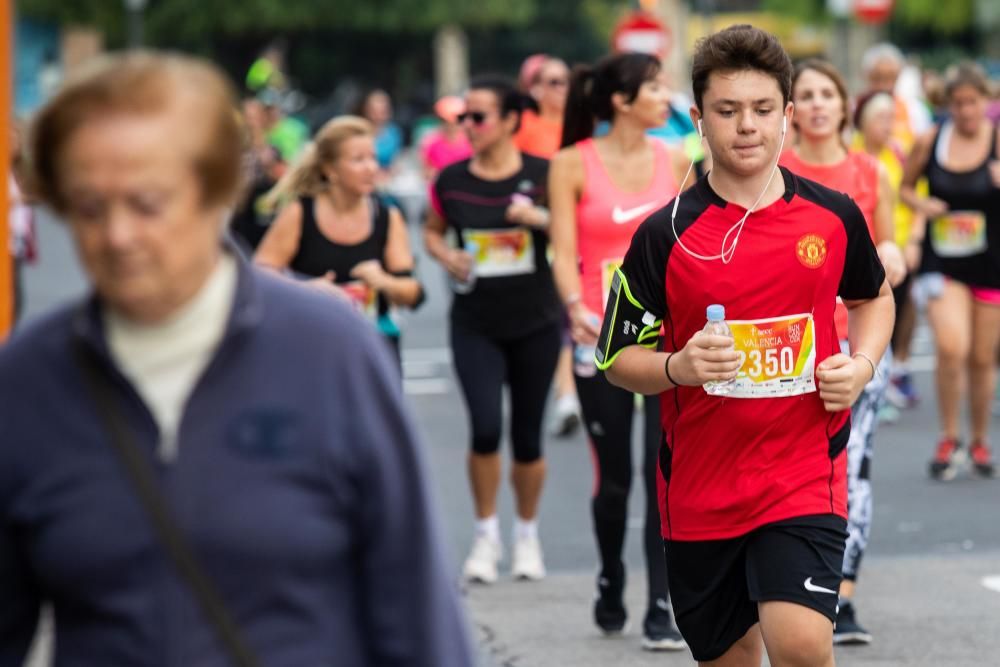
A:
(982, 459)
(942, 466)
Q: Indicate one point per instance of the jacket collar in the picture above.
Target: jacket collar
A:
(246, 313)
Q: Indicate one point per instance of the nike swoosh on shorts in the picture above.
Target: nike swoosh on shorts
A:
(813, 588)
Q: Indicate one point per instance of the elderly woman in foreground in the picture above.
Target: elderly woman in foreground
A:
(202, 463)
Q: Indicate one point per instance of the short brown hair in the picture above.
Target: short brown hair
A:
(832, 73)
(966, 73)
(739, 48)
(141, 83)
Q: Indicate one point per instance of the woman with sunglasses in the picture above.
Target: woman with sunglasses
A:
(961, 160)
(541, 130)
(505, 326)
(600, 190)
(820, 154)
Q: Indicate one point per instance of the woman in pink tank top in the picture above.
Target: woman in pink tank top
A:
(819, 154)
(600, 190)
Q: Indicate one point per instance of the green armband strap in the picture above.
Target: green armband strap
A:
(626, 322)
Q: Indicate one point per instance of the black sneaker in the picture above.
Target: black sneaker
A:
(609, 608)
(659, 633)
(847, 630)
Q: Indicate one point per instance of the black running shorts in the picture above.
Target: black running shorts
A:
(715, 585)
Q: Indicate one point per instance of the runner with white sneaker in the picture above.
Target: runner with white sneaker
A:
(600, 191)
(505, 316)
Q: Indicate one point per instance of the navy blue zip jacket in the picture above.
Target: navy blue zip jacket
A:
(299, 481)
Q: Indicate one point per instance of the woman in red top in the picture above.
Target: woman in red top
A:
(600, 190)
(820, 154)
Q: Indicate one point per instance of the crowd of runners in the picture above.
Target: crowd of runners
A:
(537, 190)
(587, 218)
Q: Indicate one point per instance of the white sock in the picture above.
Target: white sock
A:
(568, 403)
(489, 527)
(525, 530)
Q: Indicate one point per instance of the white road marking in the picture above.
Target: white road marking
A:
(426, 386)
(420, 369)
(427, 354)
(992, 583)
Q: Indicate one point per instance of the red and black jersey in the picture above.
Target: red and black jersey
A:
(729, 465)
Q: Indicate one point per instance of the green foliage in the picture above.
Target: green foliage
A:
(947, 18)
(808, 11)
(196, 21)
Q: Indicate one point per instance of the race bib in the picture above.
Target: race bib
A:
(778, 356)
(959, 234)
(502, 252)
(362, 297)
(608, 268)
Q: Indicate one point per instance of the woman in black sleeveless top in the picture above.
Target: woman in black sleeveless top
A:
(337, 232)
(961, 254)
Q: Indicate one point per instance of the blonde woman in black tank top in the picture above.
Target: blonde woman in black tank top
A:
(961, 241)
(334, 231)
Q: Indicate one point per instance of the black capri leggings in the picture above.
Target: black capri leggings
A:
(527, 365)
(607, 414)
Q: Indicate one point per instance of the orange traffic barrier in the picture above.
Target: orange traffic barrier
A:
(6, 104)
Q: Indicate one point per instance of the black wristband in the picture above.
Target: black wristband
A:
(666, 369)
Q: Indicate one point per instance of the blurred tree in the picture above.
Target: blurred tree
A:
(951, 17)
(200, 21)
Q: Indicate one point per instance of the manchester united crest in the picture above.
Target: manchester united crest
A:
(811, 251)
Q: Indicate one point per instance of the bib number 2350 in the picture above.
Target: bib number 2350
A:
(777, 355)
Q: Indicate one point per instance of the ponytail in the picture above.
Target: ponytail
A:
(303, 178)
(578, 118)
(591, 88)
(509, 98)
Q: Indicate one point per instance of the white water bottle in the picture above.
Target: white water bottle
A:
(584, 364)
(469, 284)
(717, 326)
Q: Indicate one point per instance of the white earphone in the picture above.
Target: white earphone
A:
(728, 248)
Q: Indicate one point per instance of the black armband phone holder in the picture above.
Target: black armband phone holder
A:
(626, 322)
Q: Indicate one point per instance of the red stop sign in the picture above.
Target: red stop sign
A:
(641, 32)
(873, 11)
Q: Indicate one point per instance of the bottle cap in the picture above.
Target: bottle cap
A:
(716, 312)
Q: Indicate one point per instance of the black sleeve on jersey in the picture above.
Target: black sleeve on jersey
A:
(863, 273)
(637, 301)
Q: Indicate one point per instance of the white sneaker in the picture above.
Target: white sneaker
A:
(527, 562)
(566, 419)
(481, 565)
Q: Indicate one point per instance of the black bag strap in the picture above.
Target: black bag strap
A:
(144, 483)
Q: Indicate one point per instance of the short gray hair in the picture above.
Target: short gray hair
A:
(879, 53)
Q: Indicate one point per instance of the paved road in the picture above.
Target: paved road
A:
(922, 589)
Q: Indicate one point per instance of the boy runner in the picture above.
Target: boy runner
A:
(752, 486)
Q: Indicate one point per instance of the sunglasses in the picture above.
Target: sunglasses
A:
(477, 117)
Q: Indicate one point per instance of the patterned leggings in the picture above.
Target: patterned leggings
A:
(864, 421)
